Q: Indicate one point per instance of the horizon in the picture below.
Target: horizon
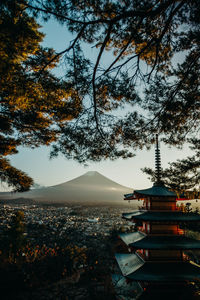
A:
(46, 172)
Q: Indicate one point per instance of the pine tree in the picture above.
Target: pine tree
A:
(16, 232)
(33, 103)
(139, 34)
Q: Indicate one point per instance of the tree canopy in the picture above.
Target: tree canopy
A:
(32, 102)
(111, 104)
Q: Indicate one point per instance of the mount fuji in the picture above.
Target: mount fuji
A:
(91, 188)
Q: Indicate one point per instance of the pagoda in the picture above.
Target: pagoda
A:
(155, 263)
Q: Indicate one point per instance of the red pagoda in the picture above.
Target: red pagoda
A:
(155, 265)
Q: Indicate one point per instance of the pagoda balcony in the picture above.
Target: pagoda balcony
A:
(162, 255)
(164, 232)
(161, 208)
(164, 259)
(161, 232)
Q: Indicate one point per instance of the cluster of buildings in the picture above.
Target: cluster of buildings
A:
(49, 225)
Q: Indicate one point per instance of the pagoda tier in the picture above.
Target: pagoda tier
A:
(135, 268)
(138, 240)
(155, 190)
(161, 216)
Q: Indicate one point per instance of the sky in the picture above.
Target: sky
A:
(46, 172)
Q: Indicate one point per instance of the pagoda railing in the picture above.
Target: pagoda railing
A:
(160, 208)
(141, 253)
(167, 259)
(163, 232)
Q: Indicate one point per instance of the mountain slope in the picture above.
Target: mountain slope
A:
(92, 187)
(91, 179)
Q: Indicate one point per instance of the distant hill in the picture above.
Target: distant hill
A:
(17, 201)
(90, 188)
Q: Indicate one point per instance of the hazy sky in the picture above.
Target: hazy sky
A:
(47, 172)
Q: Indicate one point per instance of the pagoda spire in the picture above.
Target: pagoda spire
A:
(157, 163)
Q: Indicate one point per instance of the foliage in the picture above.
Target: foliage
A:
(32, 102)
(15, 238)
(56, 268)
(137, 33)
(40, 265)
(30, 265)
(192, 229)
(136, 45)
(193, 234)
(14, 177)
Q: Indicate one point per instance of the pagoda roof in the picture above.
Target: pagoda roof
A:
(130, 215)
(129, 263)
(167, 271)
(161, 216)
(155, 190)
(131, 237)
(139, 240)
(130, 196)
(133, 267)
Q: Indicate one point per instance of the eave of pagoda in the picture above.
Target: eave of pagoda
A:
(139, 196)
(128, 263)
(167, 272)
(131, 237)
(134, 268)
(155, 190)
(160, 192)
(138, 240)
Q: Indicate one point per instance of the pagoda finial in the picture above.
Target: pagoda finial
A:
(157, 163)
